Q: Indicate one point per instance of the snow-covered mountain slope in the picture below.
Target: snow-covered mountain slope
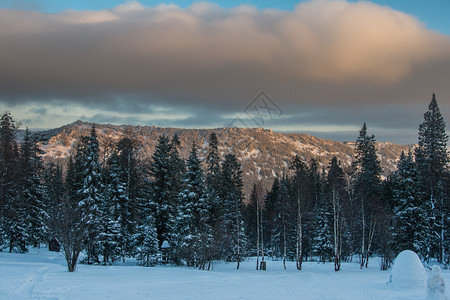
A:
(263, 153)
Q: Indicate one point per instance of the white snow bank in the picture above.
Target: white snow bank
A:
(408, 271)
(41, 274)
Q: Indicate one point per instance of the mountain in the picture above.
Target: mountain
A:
(263, 153)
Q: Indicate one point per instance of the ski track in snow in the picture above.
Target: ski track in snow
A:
(43, 275)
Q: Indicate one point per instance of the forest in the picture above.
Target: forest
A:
(122, 208)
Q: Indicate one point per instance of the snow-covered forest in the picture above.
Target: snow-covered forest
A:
(122, 209)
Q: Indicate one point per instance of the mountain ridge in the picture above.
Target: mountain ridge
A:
(263, 153)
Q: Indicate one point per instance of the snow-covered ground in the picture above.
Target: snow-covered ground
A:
(41, 274)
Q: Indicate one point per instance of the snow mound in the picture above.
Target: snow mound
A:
(408, 271)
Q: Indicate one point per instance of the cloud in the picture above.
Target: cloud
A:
(324, 53)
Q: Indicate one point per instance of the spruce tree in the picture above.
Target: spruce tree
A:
(432, 165)
(215, 203)
(33, 190)
(71, 226)
(336, 192)
(166, 170)
(119, 212)
(54, 188)
(368, 189)
(91, 192)
(194, 232)
(408, 213)
(146, 241)
(13, 230)
(233, 238)
(300, 183)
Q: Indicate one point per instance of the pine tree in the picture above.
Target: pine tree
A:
(160, 172)
(432, 163)
(71, 229)
(54, 188)
(300, 185)
(336, 193)
(33, 189)
(215, 202)
(146, 242)
(408, 214)
(253, 220)
(213, 162)
(125, 192)
(368, 189)
(322, 239)
(233, 235)
(13, 230)
(194, 232)
(91, 192)
(119, 212)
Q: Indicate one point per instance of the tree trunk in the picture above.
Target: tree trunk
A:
(372, 225)
(442, 237)
(257, 231)
(238, 242)
(261, 224)
(299, 248)
(336, 229)
(363, 234)
(284, 238)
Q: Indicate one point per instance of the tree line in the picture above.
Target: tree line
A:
(338, 215)
(120, 208)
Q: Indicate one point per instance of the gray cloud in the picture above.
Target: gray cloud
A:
(333, 59)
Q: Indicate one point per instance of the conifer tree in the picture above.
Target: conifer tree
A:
(432, 165)
(166, 169)
(194, 232)
(322, 240)
(408, 214)
(71, 227)
(300, 181)
(54, 188)
(13, 230)
(251, 221)
(215, 203)
(33, 189)
(146, 241)
(368, 189)
(91, 192)
(233, 233)
(119, 212)
(336, 193)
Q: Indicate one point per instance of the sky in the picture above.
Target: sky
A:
(321, 66)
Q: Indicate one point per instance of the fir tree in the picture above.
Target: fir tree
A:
(13, 230)
(91, 192)
(53, 189)
(233, 235)
(71, 227)
(34, 192)
(368, 189)
(146, 242)
(117, 197)
(166, 170)
(215, 202)
(300, 193)
(195, 234)
(336, 193)
(408, 214)
(432, 163)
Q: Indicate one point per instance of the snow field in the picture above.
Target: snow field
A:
(43, 275)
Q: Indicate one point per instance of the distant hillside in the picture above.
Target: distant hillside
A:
(263, 153)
